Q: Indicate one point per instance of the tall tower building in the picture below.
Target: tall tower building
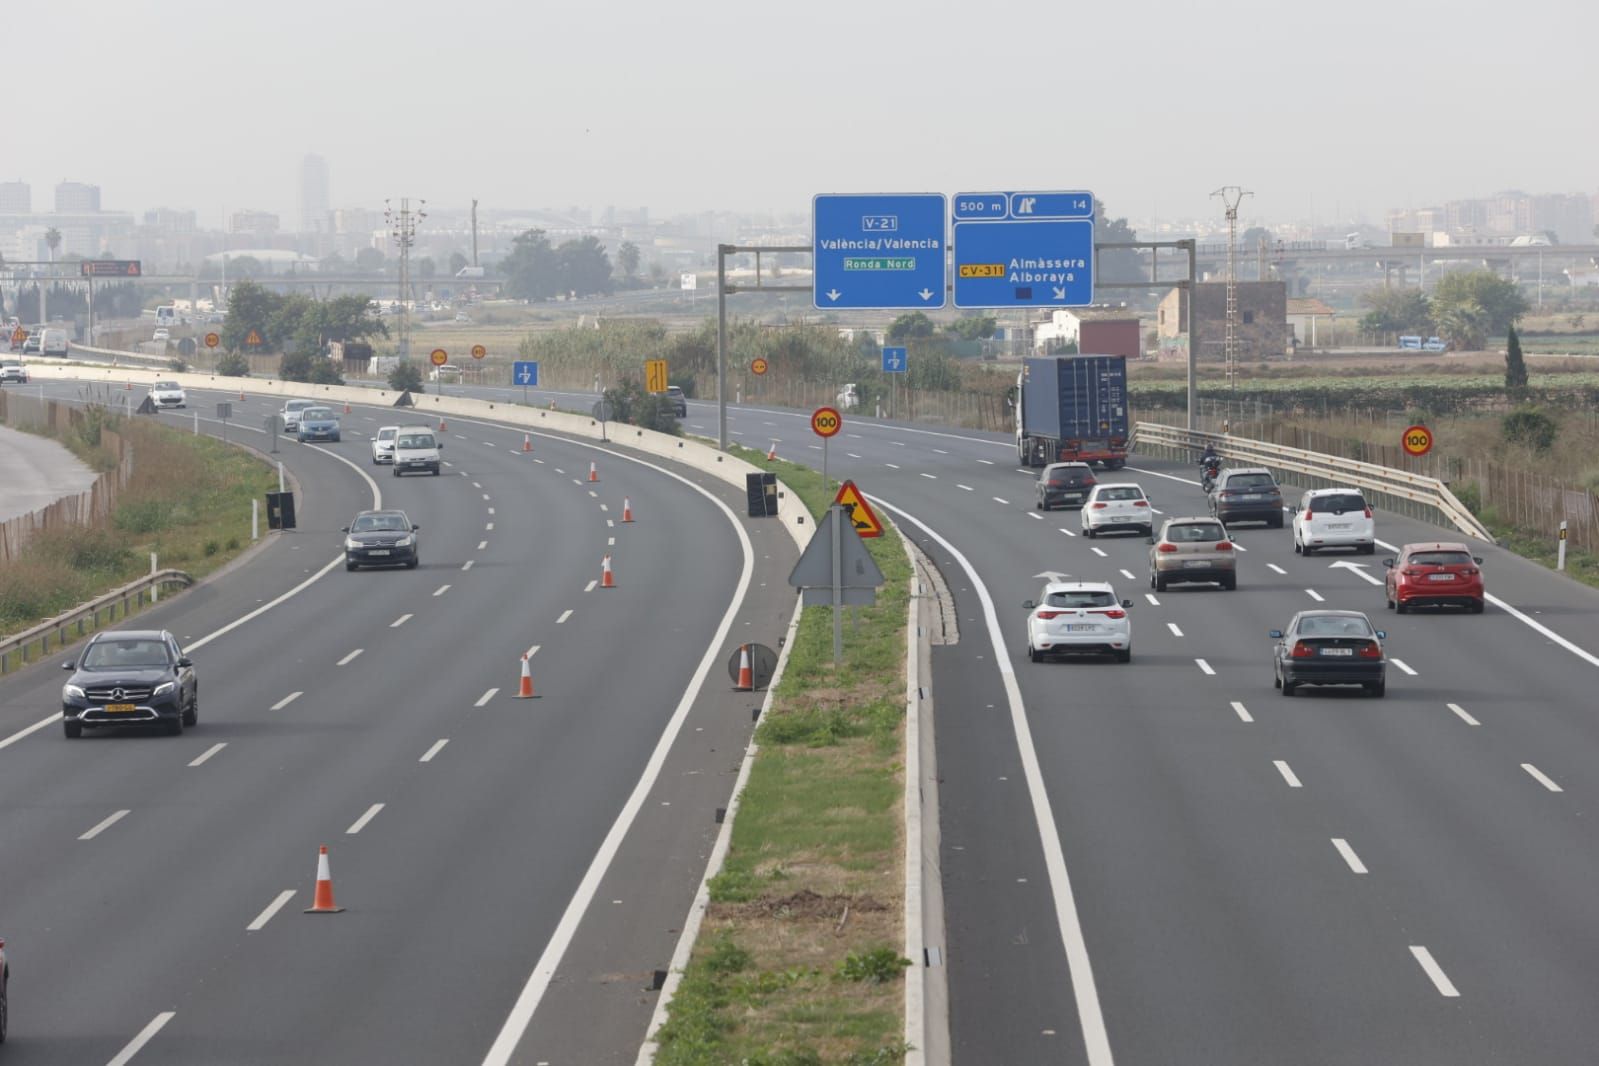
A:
(16, 198)
(76, 198)
(314, 194)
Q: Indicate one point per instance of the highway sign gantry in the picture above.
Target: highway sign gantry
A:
(896, 360)
(1023, 249)
(110, 268)
(878, 250)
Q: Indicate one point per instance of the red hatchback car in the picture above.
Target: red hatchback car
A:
(1434, 575)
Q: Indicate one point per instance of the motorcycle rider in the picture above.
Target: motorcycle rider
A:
(1209, 466)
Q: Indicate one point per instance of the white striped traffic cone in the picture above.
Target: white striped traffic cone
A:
(746, 675)
(627, 509)
(594, 471)
(606, 580)
(527, 442)
(323, 903)
(771, 453)
(442, 427)
(525, 692)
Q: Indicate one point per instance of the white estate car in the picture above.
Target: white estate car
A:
(291, 414)
(1079, 616)
(1334, 518)
(383, 445)
(1115, 506)
(167, 394)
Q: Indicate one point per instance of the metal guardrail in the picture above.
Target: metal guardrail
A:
(17, 651)
(1426, 497)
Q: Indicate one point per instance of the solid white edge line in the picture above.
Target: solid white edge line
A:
(538, 981)
(1461, 712)
(34, 728)
(1242, 711)
(1537, 775)
(205, 755)
(1541, 628)
(1090, 1017)
(361, 822)
(1288, 773)
(1440, 980)
(104, 825)
(1353, 860)
(438, 746)
(146, 1034)
(271, 909)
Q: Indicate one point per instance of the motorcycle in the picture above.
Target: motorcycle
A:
(1209, 470)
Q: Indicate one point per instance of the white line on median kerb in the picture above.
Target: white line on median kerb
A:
(1089, 1015)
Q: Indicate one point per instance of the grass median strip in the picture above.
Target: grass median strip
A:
(798, 960)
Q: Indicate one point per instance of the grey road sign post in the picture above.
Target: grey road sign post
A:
(836, 569)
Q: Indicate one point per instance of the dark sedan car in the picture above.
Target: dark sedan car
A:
(128, 677)
(381, 538)
(1063, 483)
(1250, 495)
(1329, 648)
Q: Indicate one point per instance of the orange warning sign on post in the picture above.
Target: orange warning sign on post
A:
(859, 511)
(253, 339)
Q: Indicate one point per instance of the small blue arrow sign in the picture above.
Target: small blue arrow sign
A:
(525, 373)
(896, 360)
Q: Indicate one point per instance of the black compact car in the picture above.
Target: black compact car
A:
(679, 402)
(130, 677)
(1064, 483)
(1329, 648)
(381, 538)
(1247, 495)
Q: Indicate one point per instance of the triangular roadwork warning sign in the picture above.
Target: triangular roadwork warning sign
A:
(405, 400)
(859, 511)
(253, 339)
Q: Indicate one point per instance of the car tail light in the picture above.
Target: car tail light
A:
(1471, 571)
(1224, 546)
(1412, 573)
(1368, 512)
(1308, 514)
(1224, 493)
(1088, 482)
(1116, 612)
(1140, 503)
(1099, 507)
(1167, 548)
(1371, 650)
(1045, 616)
(1301, 650)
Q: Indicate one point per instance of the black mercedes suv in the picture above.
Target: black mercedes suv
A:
(128, 677)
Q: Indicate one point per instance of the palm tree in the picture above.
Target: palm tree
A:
(52, 237)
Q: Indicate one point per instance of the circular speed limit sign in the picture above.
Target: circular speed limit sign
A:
(478, 351)
(825, 422)
(439, 357)
(1417, 440)
(212, 340)
(759, 365)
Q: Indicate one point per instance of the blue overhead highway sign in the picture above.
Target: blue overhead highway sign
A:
(878, 250)
(1024, 249)
(896, 360)
(525, 374)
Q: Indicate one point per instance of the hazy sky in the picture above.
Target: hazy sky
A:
(691, 105)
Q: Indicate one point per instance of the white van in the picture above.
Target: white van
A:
(54, 342)
(416, 448)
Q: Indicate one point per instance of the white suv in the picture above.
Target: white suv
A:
(291, 413)
(1079, 616)
(1116, 506)
(1334, 518)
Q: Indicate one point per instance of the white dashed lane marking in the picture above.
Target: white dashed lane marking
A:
(1288, 773)
(1175, 631)
(348, 659)
(484, 699)
(1540, 777)
(1464, 717)
(1355, 865)
(1150, 596)
(1435, 972)
(1128, 574)
(1099, 552)
(1313, 594)
(271, 909)
(361, 822)
(438, 746)
(963, 488)
(1403, 666)
(212, 750)
(1274, 566)
(1241, 711)
(291, 697)
(397, 623)
(104, 825)
(1203, 665)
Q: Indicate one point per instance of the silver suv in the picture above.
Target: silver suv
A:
(1192, 549)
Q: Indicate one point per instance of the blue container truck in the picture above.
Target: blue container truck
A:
(1073, 408)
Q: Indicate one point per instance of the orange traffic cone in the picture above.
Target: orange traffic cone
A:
(442, 427)
(627, 509)
(552, 405)
(606, 580)
(771, 453)
(526, 691)
(323, 903)
(241, 395)
(746, 675)
(527, 442)
(594, 471)
(127, 385)
(346, 406)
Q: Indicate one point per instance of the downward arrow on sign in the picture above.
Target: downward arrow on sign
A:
(833, 294)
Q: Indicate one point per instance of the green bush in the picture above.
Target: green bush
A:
(143, 516)
(233, 365)
(1531, 427)
(405, 377)
(877, 966)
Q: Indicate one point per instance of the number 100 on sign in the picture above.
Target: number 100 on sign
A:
(825, 422)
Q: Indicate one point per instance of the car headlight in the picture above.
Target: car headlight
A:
(406, 541)
(163, 688)
(351, 544)
(71, 692)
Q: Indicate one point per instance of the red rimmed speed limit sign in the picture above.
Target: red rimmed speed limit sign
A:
(825, 422)
(1417, 440)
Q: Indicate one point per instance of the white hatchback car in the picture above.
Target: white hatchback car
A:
(1117, 505)
(291, 414)
(1079, 616)
(1334, 518)
(168, 394)
(383, 445)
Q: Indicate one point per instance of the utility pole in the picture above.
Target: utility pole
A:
(402, 225)
(474, 233)
(1231, 195)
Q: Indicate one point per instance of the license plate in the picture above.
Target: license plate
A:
(1338, 651)
(378, 551)
(1440, 577)
(120, 708)
(1195, 562)
(1082, 629)
(1337, 525)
